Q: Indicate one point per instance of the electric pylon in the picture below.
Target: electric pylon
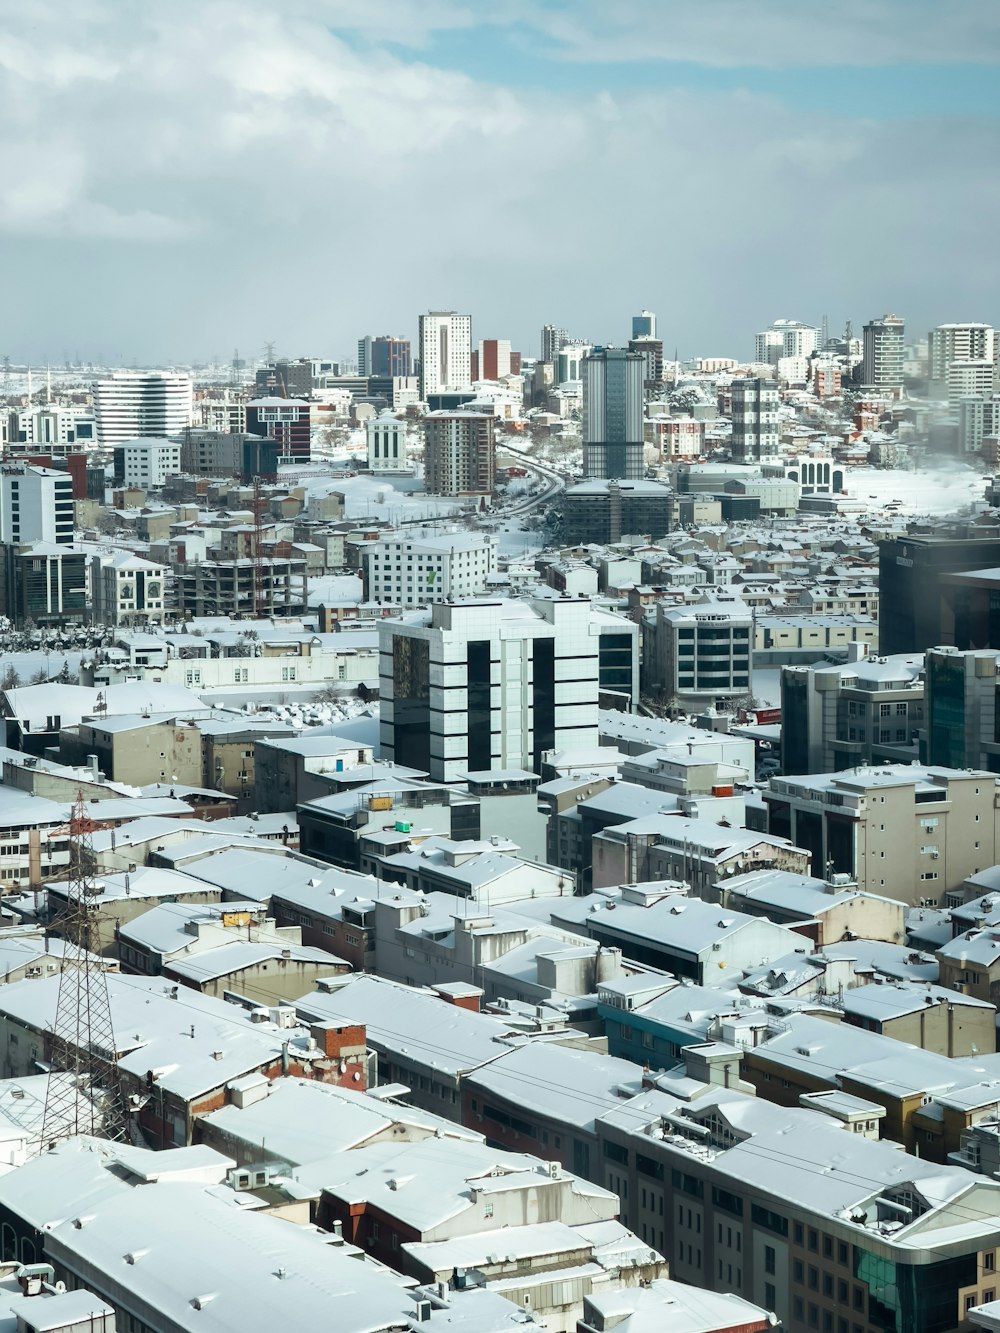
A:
(84, 1094)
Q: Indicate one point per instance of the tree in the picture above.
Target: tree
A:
(65, 676)
(40, 677)
(11, 680)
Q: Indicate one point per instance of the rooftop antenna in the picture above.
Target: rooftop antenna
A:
(826, 333)
(84, 1094)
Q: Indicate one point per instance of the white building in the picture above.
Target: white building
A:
(963, 378)
(489, 684)
(404, 571)
(949, 343)
(36, 505)
(699, 653)
(445, 339)
(133, 403)
(127, 589)
(755, 420)
(57, 429)
(147, 463)
(569, 361)
(386, 443)
(884, 353)
(978, 416)
(785, 337)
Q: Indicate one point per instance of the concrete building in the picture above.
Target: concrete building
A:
(147, 463)
(698, 653)
(489, 685)
(785, 338)
(240, 588)
(287, 421)
(755, 420)
(36, 505)
(135, 403)
(127, 590)
(900, 831)
(386, 443)
(460, 453)
(602, 512)
(963, 343)
(445, 340)
(612, 428)
(882, 367)
(869, 710)
(418, 571)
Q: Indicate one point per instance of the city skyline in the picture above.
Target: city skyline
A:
(777, 162)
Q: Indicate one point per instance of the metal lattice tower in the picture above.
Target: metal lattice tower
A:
(84, 1094)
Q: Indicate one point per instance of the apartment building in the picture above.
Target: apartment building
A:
(900, 831)
(417, 571)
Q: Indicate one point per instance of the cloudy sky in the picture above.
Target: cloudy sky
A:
(181, 179)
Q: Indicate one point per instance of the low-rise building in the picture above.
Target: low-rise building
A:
(417, 571)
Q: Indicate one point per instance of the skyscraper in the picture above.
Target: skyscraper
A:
(755, 420)
(966, 345)
(612, 414)
(883, 354)
(133, 403)
(644, 325)
(445, 352)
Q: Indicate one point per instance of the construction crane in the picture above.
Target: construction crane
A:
(84, 1093)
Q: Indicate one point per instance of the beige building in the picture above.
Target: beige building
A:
(899, 831)
(931, 1017)
(137, 750)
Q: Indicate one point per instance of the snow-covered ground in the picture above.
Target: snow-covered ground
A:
(939, 489)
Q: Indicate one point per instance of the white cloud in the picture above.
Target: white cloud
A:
(255, 173)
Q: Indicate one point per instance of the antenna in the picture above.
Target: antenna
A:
(84, 1094)
(269, 352)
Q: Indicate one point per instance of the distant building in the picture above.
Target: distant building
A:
(285, 379)
(384, 356)
(445, 339)
(755, 420)
(978, 419)
(785, 337)
(884, 353)
(127, 589)
(146, 464)
(386, 436)
(492, 359)
(132, 403)
(964, 343)
(284, 420)
(552, 340)
(644, 325)
(604, 511)
(613, 414)
(460, 453)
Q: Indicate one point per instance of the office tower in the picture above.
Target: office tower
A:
(950, 343)
(612, 414)
(132, 403)
(928, 593)
(386, 443)
(699, 654)
(755, 420)
(445, 352)
(882, 367)
(552, 339)
(492, 360)
(644, 325)
(460, 453)
(785, 337)
(285, 420)
(285, 379)
(510, 680)
(36, 505)
(384, 356)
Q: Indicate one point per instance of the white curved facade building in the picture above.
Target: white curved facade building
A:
(131, 404)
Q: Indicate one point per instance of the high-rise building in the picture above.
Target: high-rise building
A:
(36, 505)
(963, 378)
(133, 403)
(884, 353)
(612, 414)
(385, 356)
(755, 420)
(950, 343)
(460, 453)
(978, 417)
(785, 337)
(284, 378)
(917, 608)
(285, 420)
(510, 680)
(644, 325)
(552, 339)
(569, 362)
(445, 352)
(651, 351)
